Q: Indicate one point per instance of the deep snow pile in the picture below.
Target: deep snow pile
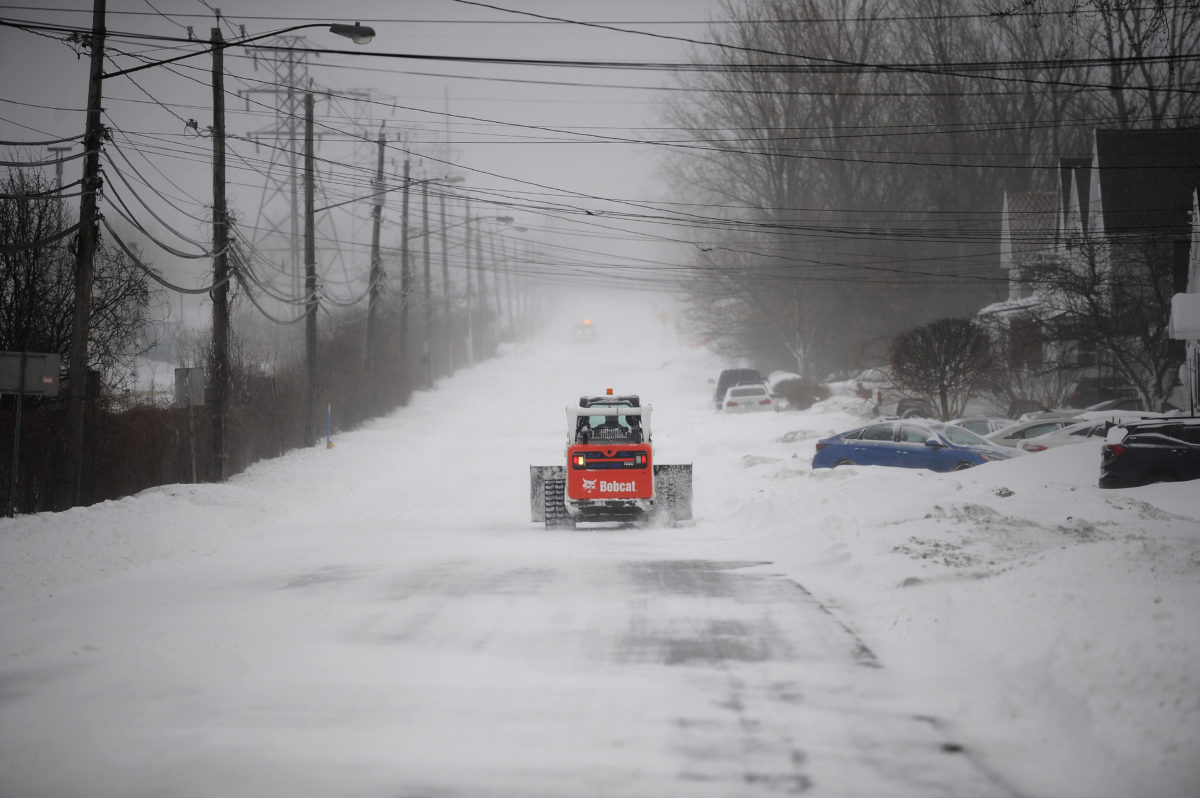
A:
(1049, 624)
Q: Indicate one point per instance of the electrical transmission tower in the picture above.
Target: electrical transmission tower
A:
(278, 228)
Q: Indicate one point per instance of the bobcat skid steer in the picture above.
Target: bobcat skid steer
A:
(610, 473)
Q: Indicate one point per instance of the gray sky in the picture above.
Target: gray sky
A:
(477, 121)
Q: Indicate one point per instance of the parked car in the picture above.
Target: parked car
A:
(1042, 424)
(907, 408)
(873, 384)
(1087, 429)
(1125, 403)
(1080, 426)
(748, 397)
(1020, 408)
(908, 444)
(730, 378)
(1154, 450)
(983, 425)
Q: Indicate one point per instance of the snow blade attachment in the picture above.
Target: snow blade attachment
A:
(673, 491)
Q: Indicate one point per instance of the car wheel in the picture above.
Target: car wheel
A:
(843, 462)
(963, 466)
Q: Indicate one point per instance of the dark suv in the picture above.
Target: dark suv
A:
(1155, 450)
(730, 378)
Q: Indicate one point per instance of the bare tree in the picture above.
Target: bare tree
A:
(1108, 307)
(944, 361)
(37, 285)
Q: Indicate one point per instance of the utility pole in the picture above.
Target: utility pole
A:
(484, 339)
(470, 293)
(447, 337)
(84, 258)
(310, 276)
(376, 278)
(220, 293)
(405, 273)
(58, 165)
(508, 281)
(428, 355)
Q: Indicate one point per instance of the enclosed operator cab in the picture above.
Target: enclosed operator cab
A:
(610, 469)
(610, 473)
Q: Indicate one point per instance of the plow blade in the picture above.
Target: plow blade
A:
(673, 490)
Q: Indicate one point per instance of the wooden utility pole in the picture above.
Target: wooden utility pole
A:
(470, 293)
(405, 272)
(428, 354)
(85, 254)
(376, 279)
(447, 331)
(310, 277)
(481, 284)
(219, 401)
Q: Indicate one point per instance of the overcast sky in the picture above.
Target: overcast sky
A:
(525, 137)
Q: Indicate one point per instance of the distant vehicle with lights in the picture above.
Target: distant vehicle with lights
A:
(585, 332)
(610, 473)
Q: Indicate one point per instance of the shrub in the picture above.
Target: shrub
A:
(801, 394)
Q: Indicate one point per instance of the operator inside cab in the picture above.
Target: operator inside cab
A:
(619, 429)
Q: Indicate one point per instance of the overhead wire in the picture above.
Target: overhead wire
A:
(151, 272)
(549, 188)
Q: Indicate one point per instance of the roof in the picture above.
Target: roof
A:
(1147, 178)
(1077, 168)
(1032, 220)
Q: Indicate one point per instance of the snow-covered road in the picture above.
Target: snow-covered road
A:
(382, 619)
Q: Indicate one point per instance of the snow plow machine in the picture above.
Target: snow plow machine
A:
(610, 473)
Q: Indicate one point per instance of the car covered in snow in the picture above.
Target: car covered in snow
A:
(908, 444)
(983, 425)
(1074, 433)
(1013, 435)
(748, 397)
(1153, 450)
(1089, 429)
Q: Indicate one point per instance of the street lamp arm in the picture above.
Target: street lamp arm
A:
(359, 34)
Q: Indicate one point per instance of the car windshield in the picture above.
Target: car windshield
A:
(753, 390)
(962, 437)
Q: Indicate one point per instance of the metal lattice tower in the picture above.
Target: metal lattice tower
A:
(278, 229)
(279, 205)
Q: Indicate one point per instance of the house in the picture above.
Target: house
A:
(1116, 231)
(1185, 315)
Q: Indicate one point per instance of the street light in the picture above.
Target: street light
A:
(359, 34)
(86, 249)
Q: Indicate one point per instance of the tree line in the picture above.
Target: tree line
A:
(851, 155)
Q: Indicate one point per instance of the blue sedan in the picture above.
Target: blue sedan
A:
(908, 444)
